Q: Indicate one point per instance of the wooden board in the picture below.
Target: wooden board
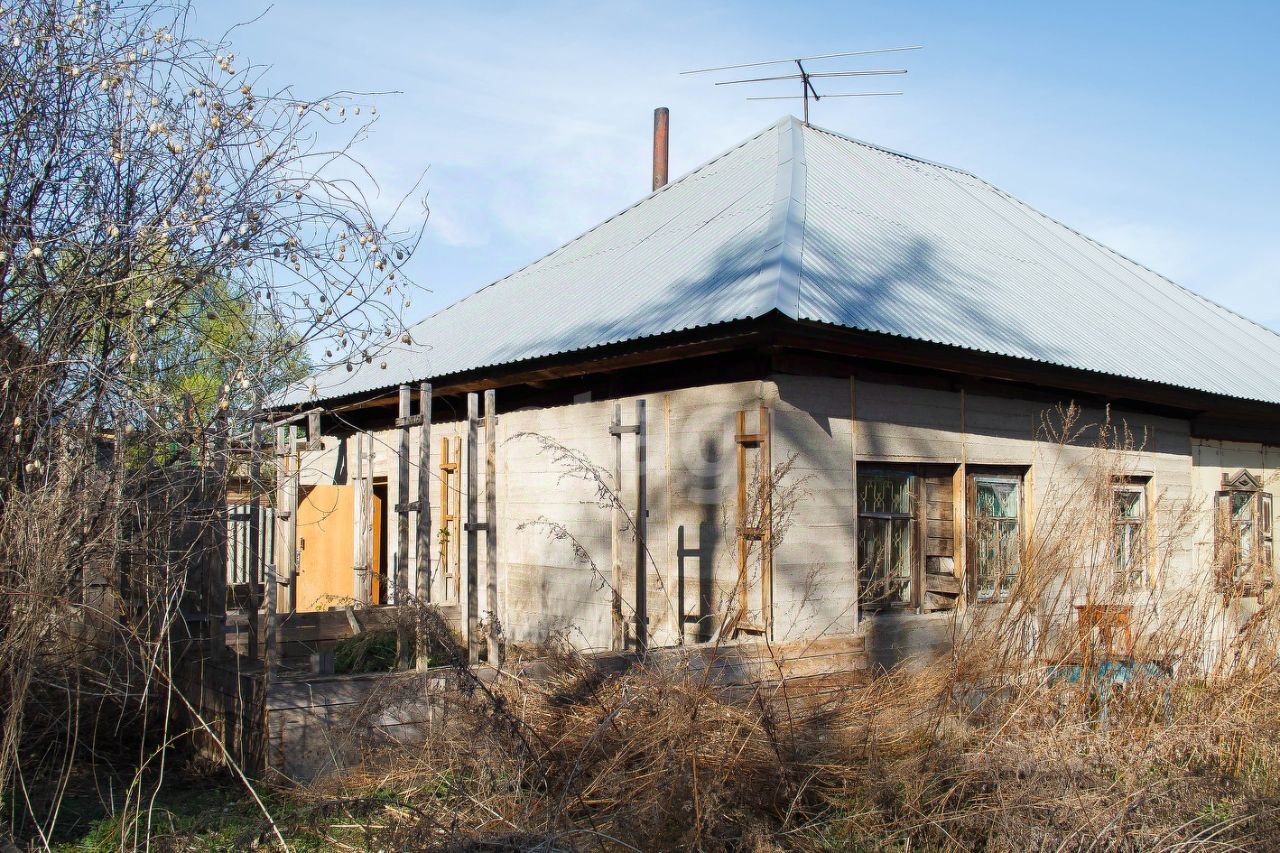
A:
(326, 544)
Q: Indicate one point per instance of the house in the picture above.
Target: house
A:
(889, 335)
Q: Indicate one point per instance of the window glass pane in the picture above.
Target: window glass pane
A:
(1129, 503)
(884, 492)
(1242, 521)
(997, 498)
(885, 536)
(997, 556)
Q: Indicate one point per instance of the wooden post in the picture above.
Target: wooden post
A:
(759, 532)
(402, 523)
(271, 660)
(255, 493)
(422, 583)
(366, 535)
(615, 592)
(491, 522)
(422, 579)
(471, 602)
(450, 517)
(357, 558)
(402, 506)
(291, 528)
(217, 605)
(765, 462)
(641, 524)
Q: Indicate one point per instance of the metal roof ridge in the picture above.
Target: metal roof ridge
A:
(662, 189)
(780, 265)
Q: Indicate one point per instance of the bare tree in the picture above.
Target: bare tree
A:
(177, 241)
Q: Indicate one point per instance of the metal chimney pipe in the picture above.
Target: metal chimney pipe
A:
(661, 132)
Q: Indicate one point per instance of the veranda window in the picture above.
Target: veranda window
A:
(997, 535)
(886, 510)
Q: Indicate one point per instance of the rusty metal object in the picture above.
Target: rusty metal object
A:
(661, 135)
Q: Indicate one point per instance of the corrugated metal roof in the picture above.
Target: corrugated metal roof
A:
(826, 228)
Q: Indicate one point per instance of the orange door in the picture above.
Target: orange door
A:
(326, 544)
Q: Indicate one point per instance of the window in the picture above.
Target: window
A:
(1243, 538)
(1128, 539)
(885, 533)
(996, 534)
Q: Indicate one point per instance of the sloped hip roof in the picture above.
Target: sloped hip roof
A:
(820, 227)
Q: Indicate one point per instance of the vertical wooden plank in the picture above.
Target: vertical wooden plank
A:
(853, 472)
(455, 537)
(919, 526)
(615, 538)
(422, 582)
(641, 523)
(740, 428)
(357, 517)
(471, 605)
(674, 584)
(271, 648)
(370, 525)
(291, 536)
(448, 568)
(284, 476)
(402, 506)
(255, 494)
(765, 458)
(491, 522)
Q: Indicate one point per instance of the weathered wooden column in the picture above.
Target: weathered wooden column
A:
(617, 430)
(641, 525)
(471, 601)
(291, 527)
(357, 517)
(255, 532)
(618, 639)
(404, 422)
(491, 523)
(422, 582)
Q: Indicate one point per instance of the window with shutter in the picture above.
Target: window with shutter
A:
(1243, 541)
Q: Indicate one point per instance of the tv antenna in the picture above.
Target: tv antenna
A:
(806, 77)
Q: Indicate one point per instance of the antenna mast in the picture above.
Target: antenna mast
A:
(806, 77)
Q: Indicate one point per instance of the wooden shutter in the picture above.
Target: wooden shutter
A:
(1262, 532)
(1223, 549)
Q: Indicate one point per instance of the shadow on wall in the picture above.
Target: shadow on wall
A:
(699, 589)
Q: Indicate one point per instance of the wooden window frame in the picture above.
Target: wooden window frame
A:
(930, 591)
(1123, 580)
(914, 526)
(973, 473)
(1255, 575)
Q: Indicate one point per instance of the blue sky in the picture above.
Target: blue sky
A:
(1151, 127)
